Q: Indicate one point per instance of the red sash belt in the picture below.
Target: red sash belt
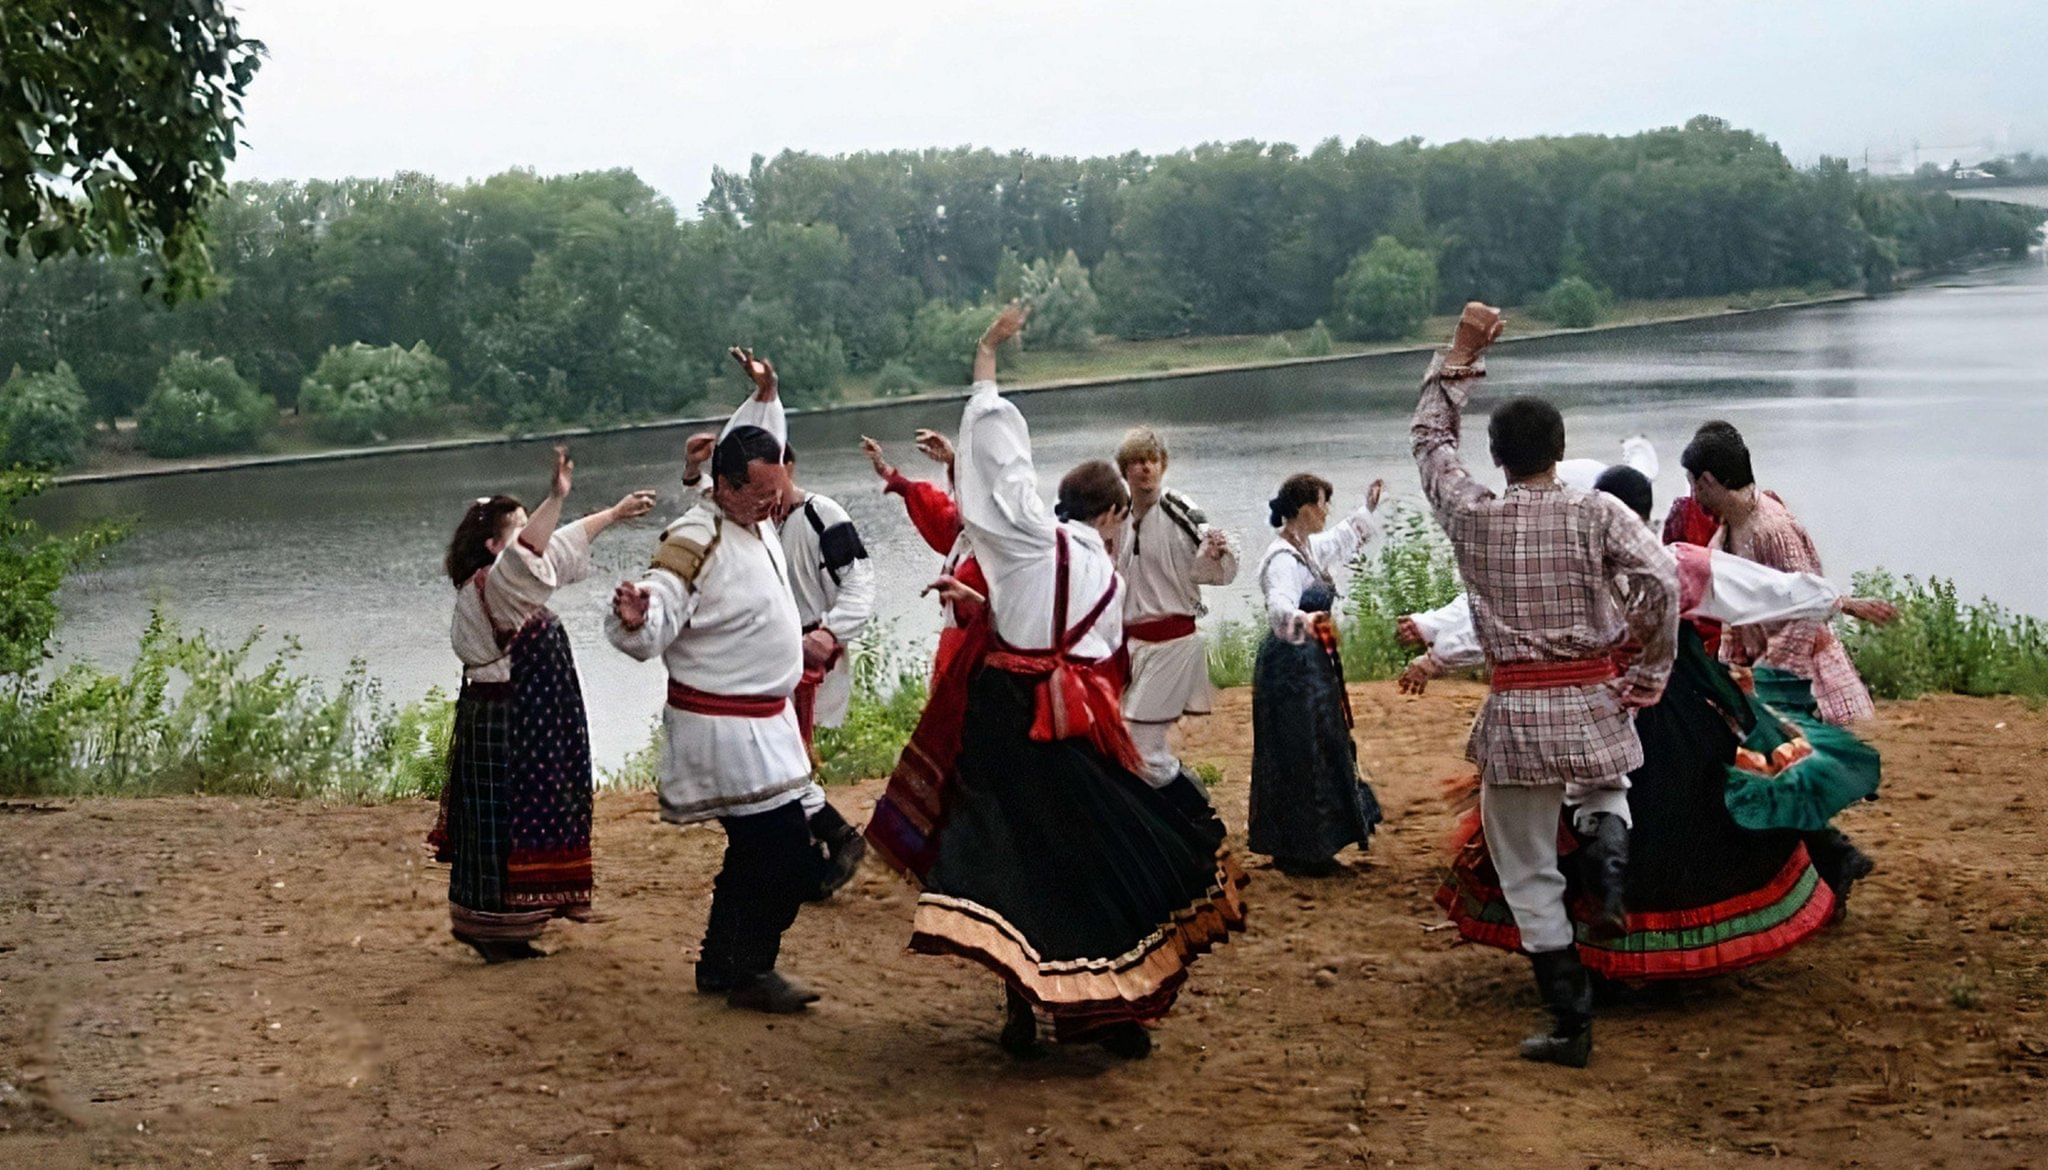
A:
(688, 698)
(1075, 700)
(1538, 676)
(1164, 629)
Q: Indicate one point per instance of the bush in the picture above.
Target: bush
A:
(1573, 303)
(362, 393)
(1385, 292)
(888, 698)
(1277, 348)
(201, 406)
(942, 340)
(895, 378)
(1940, 644)
(43, 419)
(1064, 306)
(1318, 343)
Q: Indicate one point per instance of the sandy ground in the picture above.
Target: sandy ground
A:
(197, 982)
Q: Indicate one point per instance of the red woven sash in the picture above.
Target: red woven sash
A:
(1540, 676)
(689, 698)
(1164, 629)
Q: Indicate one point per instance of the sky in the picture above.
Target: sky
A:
(467, 88)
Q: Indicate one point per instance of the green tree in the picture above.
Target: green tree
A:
(201, 406)
(1063, 304)
(942, 340)
(1573, 303)
(896, 378)
(1318, 343)
(121, 117)
(1385, 293)
(362, 392)
(42, 419)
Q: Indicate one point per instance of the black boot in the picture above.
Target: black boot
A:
(844, 849)
(1020, 1027)
(1606, 869)
(1840, 864)
(1129, 1041)
(714, 975)
(770, 992)
(1567, 992)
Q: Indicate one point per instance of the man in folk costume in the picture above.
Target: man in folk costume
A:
(717, 608)
(1557, 577)
(1757, 526)
(1166, 554)
(833, 582)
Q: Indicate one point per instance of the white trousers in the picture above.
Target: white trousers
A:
(1521, 834)
(1161, 765)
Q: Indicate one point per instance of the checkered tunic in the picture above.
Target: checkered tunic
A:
(1554, 574)
(1773, 536)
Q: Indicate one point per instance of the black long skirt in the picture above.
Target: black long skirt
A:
(1086, 890)
(1308, 800)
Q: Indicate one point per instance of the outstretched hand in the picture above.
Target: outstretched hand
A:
(1415, 679)
(565, 474)
(629, 603)
(1373, 492)
(698, 449)
(1478, 327)
(1406, 632)
(873, 451)
(758, 371)
(1870, 609)
(634, 504)
(952, 592)
(935, 446)
(1007, 324)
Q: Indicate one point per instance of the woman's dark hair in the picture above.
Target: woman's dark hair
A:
(1526, 435)
(469, 549)
(1718, 447)
(1090, 490)
(1296, 493)
(1629, 486)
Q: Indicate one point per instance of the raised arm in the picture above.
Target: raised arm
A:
(997, 484)
(1338, 545)
(541, 522)
(1434, 431)
(763, 408)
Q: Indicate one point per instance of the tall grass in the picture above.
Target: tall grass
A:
(194, 714)
(1942, 644)
(1408, 570)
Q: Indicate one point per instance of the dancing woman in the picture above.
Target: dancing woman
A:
(1308, 800)
(515, 822)
(1055, 865)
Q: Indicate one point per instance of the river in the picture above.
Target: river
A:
(1907, 431)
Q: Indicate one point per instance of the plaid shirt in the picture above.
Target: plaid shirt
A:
(1554, 574)
(1773, 536)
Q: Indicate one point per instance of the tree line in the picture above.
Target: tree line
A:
(382, 307)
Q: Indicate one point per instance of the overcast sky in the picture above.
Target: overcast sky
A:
(465, 88)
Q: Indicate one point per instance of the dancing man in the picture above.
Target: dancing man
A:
(716, 608)
(1757, 526)
(1554, 575)
(1166, 555)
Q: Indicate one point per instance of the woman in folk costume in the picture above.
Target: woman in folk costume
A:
(937, 519)
(1718, 878)
(1308, 800)
(1055, 865)
(515, 816)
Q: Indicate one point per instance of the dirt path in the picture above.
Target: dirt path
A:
(235, 983)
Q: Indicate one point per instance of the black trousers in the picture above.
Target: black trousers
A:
(770, 866)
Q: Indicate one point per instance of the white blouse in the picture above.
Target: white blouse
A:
(1012, 532)
(518, 585)
(1283, 578)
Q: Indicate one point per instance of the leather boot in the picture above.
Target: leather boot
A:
(1840, 864)
(1567, 992)
(844, 849)
(771, 993)
(1606, 869)
(1020, 1027)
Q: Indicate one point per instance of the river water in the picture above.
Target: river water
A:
(1907, 431)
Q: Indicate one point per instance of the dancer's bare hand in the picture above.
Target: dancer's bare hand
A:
(634, 504)
(935, 446)
(1007, 324)
(1215, 544)
(1415, 679)
(953, 592)
(1373, 492)
(629, 602)
(697, 451)
(1406, 632)
(1871, 609)
(565, 474)
(819, 646)
(758, 371)
(873, 451)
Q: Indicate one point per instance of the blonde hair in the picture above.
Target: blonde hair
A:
(1139, 443)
